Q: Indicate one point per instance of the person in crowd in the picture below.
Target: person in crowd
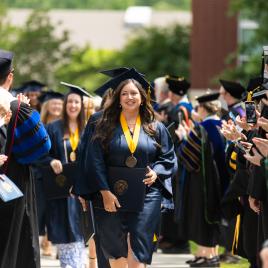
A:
(126, 137)
(25, 141)
(235, 205)
(162, 98)
(89, 107)
(178, 88)
(63, 214)
(202, 153)
(33, 89)
(171, 241)
(232, 93)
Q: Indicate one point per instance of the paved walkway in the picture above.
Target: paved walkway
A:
(159, 261)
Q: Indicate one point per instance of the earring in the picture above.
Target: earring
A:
(141, 104)
(120, 106)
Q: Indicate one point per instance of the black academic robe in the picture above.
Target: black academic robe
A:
(19, 244)
(198, 191)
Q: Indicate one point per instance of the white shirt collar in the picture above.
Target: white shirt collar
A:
(211, 117)
(184, 99)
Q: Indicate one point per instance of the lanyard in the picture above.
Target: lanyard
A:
(74, 139)
(131, 142)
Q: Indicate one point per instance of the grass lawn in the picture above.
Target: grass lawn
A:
(242, 264)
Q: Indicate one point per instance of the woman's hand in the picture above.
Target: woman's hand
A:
(181, 132)
(230, 132)
(254, 204)
(56, 166)
(151, 176)
(23, 99)
(242, 122)
(110, 201)
(263, 123)
(7, 117)
(83, 203)
(3, 159)
(262, 145)
(255, 159)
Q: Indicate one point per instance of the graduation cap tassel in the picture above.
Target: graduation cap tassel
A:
(250, 94)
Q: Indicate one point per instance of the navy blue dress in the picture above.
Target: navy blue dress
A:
(140, 225)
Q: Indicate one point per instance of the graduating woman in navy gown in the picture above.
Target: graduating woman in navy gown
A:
(126, 136)
(63, 214)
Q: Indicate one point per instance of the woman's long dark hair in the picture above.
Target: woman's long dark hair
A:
(80, 119)
(111, 114)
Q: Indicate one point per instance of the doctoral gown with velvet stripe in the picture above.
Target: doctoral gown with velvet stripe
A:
(198, 198)
(19, 245)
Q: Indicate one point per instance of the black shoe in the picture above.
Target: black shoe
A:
(193, 260)
(204, 262)
(229, 258)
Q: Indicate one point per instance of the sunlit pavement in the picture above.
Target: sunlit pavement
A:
(159, 261)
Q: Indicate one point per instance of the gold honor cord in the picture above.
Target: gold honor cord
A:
(74, 140)
(132, 143)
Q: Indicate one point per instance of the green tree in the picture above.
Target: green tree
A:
(254, 10)
(98, 4)
(157, 52)
(7, 31)
(154, 52)
(38, 51)
(84, 67)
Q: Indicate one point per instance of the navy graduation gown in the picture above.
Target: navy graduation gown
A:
(95, 161)
(63, 215)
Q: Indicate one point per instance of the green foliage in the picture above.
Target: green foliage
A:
(38, 53)
(154, 52)
(6, 30)
(98, 4)
(157, 52)
(84, 67)
(254, 10)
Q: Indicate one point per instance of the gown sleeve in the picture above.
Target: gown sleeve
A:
(166, 158)
(189, 151)
(31, 140)
(91, 163)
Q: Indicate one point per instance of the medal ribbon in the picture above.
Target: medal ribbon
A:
(131, 142)
(74, 139)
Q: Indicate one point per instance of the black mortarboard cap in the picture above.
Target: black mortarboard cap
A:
(212, 96)
(235, 89)
(76, 89)
(178, 85)
(17, 90)
(33, 86)
(115, 72)
(254, 84)
(260, 95)
(49, 95)
(130, 74)
(5, 62)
